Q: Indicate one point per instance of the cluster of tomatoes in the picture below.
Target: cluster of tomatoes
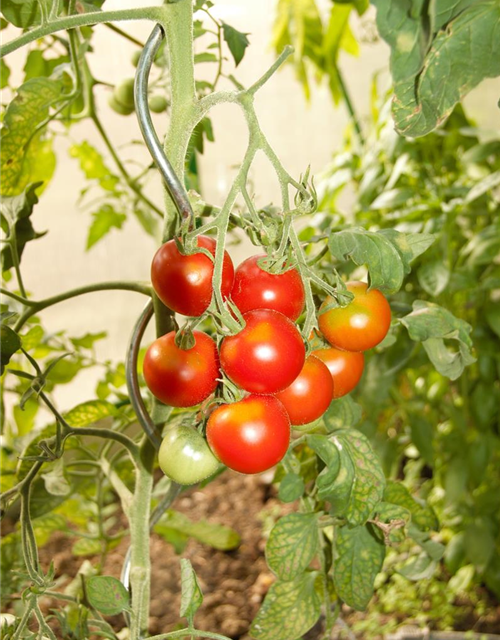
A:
(266, 358)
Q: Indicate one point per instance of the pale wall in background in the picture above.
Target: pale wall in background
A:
(301, 133)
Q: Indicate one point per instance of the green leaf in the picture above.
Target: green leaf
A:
(393, 198)
(4, 74)
(10, 342)
(93, 166)
(422, 515)
(15, 212)
(36, 65)
(55, 480)
(192, 596)
(420, 568)
(88, 340)
(431, 78)
(27, 110)
(360, 555)
(422, 436)
(357, 488)
(409, 245)
(214, 535)
(342, 412)
(435, 550)
(289, 610)
(480, 543)
(88, 413)
(291, 488)
(373, 250)
(292, 545)
(493, 318)
(22, 13)
(205, 57)
(32, 338)
(236, 41)
(107, 595)
(64, 370)
(433, 277)
(431, 325)
(104, 220)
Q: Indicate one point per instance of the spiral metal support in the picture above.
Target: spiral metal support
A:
(180, 198)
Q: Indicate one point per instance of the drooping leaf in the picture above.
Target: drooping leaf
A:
(422, 515)
(55, 480)
(433, 277)
(192, 596)
(22, 13)
(15, 212)
(342, 412)
(214, 535)
(104, 220)
(93, 166)
(431, 325)
(292, 545)
(236, 41)
(360, 555)
(88, 340)
(4, 74)
(289, 610)
(27, 110)
(107, 595)
(90, 412)
(291, 488)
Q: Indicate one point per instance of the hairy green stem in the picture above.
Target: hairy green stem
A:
(155, 14)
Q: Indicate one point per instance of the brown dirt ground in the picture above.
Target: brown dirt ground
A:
(234, 583)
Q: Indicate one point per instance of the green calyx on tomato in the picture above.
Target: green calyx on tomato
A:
(249, 436)
(184, 282)
(359, 326)
(182, 377)
(185, 456)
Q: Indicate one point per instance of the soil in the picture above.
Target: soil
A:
(234, 583)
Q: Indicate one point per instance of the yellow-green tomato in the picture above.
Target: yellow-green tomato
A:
(124, 93)
(185, 456)
(118, 107)
(157, 104)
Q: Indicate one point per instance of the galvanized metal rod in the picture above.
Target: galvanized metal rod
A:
(175, 187)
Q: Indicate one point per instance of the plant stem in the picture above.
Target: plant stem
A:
(350, 107)
(156, 14)
(131, 182)
(193, 633)
(125, 35)
(118, 285)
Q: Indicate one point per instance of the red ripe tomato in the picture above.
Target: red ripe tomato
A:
(310, 394)
(184, 283)
(346, 368)
(182, 377)
(255, 288)
(266, 356)
(362, 324)
(251, 435)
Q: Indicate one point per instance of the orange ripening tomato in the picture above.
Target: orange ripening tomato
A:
(255, 288)
(184, 283)
(182, 377)
(346, 368)
(249, 436)
(362, 325)
(310, 394)
(266, 355)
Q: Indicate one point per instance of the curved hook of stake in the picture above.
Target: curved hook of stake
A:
(134, 391)
(174, 185)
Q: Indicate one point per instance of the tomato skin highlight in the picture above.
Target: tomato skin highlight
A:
(310, 394)
(360, 326)
(255, 288)
(184, 283)
(249, 436)
(178, 377)
(346, 368)
(185, 457)
(266, 356)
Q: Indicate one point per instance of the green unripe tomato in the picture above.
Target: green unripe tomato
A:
(185, 456)
(135, 58)
(118, 107)
(124, 93)
(157, 104)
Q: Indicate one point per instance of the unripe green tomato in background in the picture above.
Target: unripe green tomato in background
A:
(124, 93)
(118, 107)
(157, 104)
(185, 456)
(135, 58)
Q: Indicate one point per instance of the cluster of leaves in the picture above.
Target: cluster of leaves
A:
(442, 438)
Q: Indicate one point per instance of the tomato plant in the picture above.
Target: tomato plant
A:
(182, 377)
(256, 288)
(184, 282)
(266, 355)
(251, 435)
(423, 232)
